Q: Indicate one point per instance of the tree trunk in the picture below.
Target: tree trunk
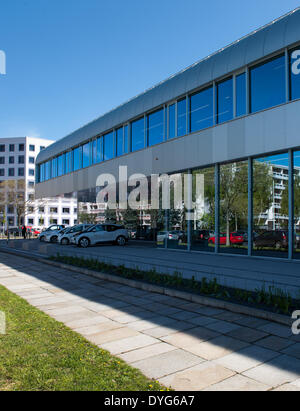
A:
(227, 231)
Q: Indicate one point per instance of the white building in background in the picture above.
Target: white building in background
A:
(17, 162)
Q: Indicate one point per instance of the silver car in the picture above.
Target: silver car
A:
(50, 235)
(103, 233)
(66, 237)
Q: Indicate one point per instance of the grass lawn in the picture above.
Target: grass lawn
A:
(39, 353)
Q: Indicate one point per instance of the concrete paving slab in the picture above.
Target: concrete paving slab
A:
(197, 378)
(147, 352)
(167, 363)
(238, 383)
(247, 334)
(247, 358)
(129, 344)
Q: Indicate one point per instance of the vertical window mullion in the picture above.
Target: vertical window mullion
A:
(250, 206)
(291, 204)
(287, 75)
(217, 208)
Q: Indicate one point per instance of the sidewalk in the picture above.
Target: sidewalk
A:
(183, 345)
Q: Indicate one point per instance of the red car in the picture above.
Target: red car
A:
(33, 231)
(235, 238)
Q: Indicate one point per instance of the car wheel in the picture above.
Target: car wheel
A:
(42, 239)
(53, 239)
(121, 241)
(84, 242)
(65, 241)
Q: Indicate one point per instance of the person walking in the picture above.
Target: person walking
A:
(24, 232)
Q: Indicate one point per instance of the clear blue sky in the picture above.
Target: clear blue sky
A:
(70, 61)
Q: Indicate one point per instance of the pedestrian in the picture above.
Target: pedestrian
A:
(24, 232)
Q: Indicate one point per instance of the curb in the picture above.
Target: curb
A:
(184, 295)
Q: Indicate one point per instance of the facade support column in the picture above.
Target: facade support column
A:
(217, 208)
(250, 206)
(291, 204)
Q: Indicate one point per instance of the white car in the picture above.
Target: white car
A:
(66, 237)
(103, 233)
(170, 235)
(50, 235)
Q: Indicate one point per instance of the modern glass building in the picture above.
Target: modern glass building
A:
(230, 121)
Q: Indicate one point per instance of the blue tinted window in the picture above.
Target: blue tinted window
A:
(42, 173)
(99, 149)
(268, 84)
(54, 168)
(295, 74)
(94, 151)
(138, 134)
(47, 170)
(126, 140)
(68, 162)
(172, 121)
(240, 86)
(120, 141)
(77, 158)
(201, 108)
(61, 165)
(109, 146)
(225, 101)
(155, 127)
(86, 155)
(181, 118)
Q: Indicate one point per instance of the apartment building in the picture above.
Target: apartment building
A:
(18, 205)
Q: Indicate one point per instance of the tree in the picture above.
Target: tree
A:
(86, 218)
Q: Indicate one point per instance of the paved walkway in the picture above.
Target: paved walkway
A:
(183, 345)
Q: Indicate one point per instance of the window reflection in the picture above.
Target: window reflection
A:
(181, 118)
(240, 86)
(155, 127)
(86, 155)
(172, 121)
(297, 204)
(138, 134)
(234, 208)
(225, 101)
(109, 146)
(295, 74)
(77, 158)
(201, 110)
(271, 205)
(120, 141)
(203, 229)
(268, 84)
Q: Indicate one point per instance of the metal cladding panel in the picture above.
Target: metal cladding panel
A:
(273, 37)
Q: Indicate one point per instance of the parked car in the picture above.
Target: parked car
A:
(273, 239)
(66, 236)
(297, 240)
(102, 233)
(170, 235)
(235, 238)
(50, 235)
(33, 231)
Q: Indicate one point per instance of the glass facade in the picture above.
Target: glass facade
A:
(86, 155)
(203, 229)
(268, 84)
(233, 208)
(201, 110)
(240, 94)
(181, 118)
(120, 141)
(77, 158)
(296, 161)
(138, 134)
(155, 127)
(294, 56)
(172, 121)
(271, 206)
(224, 101)
(109, 146)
